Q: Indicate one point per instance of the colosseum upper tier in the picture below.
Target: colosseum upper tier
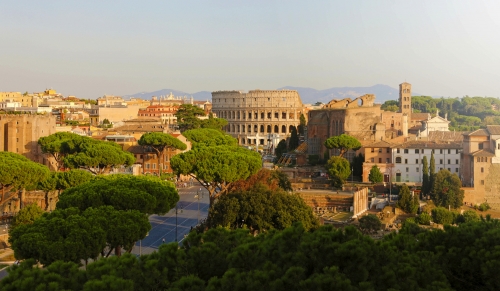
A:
(259, 117)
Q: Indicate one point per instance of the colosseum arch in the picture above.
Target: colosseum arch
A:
(283, 129)
(268, 129)
(261, 128)
(276, 129)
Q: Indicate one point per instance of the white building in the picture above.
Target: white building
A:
(408, 159)
(437, 123)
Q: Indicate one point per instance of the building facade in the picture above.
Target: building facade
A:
(481, 166)
(20, 134)
(259, 117)
(404, 162)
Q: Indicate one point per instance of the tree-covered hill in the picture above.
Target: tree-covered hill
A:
(465, 114)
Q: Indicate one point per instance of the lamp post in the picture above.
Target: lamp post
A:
(197, 196)
(177, 208)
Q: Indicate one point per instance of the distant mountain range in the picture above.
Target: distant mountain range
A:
(308, 95)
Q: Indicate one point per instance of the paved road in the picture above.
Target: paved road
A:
(164, 226)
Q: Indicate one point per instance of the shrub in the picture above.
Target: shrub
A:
(484, 206)
(468, 216)
(442, 215)
(369, 223)
(424, 218)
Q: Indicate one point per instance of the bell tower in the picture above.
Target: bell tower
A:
(405, 98)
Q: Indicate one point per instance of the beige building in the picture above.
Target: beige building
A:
(480, 167)
(259, 117)
(20, 134)
(25, 100)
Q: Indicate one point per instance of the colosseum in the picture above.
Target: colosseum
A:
(259, 117)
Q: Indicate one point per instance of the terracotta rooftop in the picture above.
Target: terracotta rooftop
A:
(380, 144)
(483, 153)
(493, 129)
(456, 136)
(420, 116)
(479, 132)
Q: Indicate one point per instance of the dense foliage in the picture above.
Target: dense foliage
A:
(406, 201)
(446, 190)
(261, 209)
(342, 143)
(339, 170)
(18, 172)
(466, 257)
(74, 151)
(209, 137)
(465, 114)
(216, 167)
(375, 175)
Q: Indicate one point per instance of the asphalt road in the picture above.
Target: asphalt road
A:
(164, 226)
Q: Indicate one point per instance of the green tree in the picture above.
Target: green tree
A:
(375, 175)
(27, 215)
(188, 117)
(261, 209)
(406, 202)
(432, 173)
(446, 191)
(216, 167)
(294, 139)
(390, 105)
(302, 124)
(343, 143)
(339, 170)
(97, 157)
(59, 145)
(209, 137)
(442, 215)
(424, 218)
(213, 123)
(149, 195)
(280, 148)
(59, 181)
(159, 141)
(425, 176)
(18, 172)
(357, 165)
(369, 223)
(469, 216)
(60, 235)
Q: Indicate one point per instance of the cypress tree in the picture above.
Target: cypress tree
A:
(432, 173)
(425, 177)
(294, 139)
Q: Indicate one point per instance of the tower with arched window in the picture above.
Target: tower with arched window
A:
(405, 98)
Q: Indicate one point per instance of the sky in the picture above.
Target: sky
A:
(91, 48)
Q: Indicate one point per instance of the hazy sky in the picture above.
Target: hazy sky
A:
(91, 48)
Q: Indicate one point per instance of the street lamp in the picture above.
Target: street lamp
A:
(177, 210)
(197, 196)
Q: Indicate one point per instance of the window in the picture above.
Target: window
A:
(147, 166)
(398, 160)
(449, 161)
(486, 159)
(422, 151)
(456, 170)
(388, 150)
(416, 161)
(457, 151)
(372, 160)
(456, 161)
(441, 161)
(441, 151)
(387, 160)
(406, 161)
(380, 150)
(397, 150)
(407, 169)
(478, 159)
(449, 169)
(480, 146)
(449, 151)
(482, 170)
(418, 170)
(380, 160)
(406, 151)
(373, 150)
(416, 151)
